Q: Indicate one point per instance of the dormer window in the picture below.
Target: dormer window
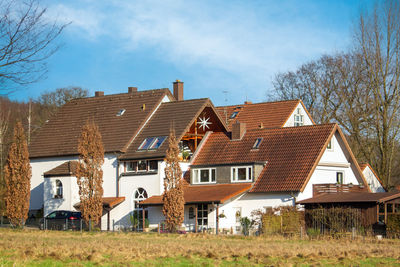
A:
(121, 112)
(241, 174)
(152, 143)
(257, 143)
(205, 175)
(234, 114)
(298, 118)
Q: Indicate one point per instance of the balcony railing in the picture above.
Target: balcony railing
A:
(337, 188)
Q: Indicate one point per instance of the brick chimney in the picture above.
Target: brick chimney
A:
(248, 102)
(178, 90)
(132, 90)
(238, 130)
(98, 93)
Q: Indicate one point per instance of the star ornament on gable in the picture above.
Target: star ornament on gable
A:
(203, 123)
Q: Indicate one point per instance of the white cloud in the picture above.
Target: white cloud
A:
(231, 37)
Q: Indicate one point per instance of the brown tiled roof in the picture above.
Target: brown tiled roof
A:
(108, 202)
(217, 193)
(291, 154)
(111, 202)
(66, 169)
(351, 197)
(180, 115)
(59, 136)
(270, 114)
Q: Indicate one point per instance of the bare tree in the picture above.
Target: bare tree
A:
(173, 199)
(358, 89)
(377, 39)
(90, 174)
(27, 39)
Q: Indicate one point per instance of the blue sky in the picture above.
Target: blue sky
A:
(212, 46)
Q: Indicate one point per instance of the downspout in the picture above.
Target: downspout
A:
(117, 177)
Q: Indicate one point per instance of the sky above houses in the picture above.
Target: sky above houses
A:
(228, 51)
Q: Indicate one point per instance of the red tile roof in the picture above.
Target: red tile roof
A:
(217, 193)
(66, 169)
(108, 202)
(179, 114)
(59, 136)
(291, 154)
(351, 197)
(270, 114)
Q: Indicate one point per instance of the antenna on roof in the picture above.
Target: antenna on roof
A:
(226, 102)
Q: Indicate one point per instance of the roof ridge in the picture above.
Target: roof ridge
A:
(267, 102)
(119, 94)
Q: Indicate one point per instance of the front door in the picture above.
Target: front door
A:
(202, 216)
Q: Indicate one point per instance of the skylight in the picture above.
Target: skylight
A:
(121, 112)
(257, 143)
(157, 142)
(152, 143)
(234, 114)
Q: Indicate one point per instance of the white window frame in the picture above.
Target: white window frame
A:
(196, 177)
(331, 143)
(342, 172)
(58, 189)
(234, 174)
(298, 118)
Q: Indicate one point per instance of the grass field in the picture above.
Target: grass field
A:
(48, 248)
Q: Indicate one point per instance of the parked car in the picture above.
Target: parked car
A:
(62, 220)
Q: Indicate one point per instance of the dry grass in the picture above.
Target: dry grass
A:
(27, 247)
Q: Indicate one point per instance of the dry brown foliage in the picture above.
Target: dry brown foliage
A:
(17, 176)
(89, 173)
(174, 203)
(116, 249)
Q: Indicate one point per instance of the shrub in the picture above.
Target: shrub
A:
(393, 225)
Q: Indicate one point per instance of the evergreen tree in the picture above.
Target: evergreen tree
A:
(173, 199)
(17, 177)
(89, 173)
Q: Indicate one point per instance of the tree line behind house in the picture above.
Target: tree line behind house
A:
(32, 115)
(359, 89)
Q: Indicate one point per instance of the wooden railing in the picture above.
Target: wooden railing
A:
(337, 188)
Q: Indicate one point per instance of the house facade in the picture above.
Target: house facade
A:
(235, 159)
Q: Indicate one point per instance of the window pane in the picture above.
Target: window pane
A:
(131, 166)
(146, 143)
(52, 215)
(205, 213)
(381, 208)
(142, 165)
(389, 208)
(153, 165)
(204, 176)
(199, 221)
(158, 142)
(250, 174)
(339, 177)
(242, 174)
(213, 175)
(381, 218)
(205, 221)
(234, 178)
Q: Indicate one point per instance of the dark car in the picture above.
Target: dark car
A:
(62, 220)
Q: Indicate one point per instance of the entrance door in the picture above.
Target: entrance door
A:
(202, 216)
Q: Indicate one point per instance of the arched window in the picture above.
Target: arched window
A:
(140, 194)
(137, 214)
(59, 189)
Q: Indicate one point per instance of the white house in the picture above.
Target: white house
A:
(237, 159)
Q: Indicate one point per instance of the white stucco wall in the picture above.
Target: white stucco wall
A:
(70, 194)
(372, 181)
(42, 165)
(306, 118)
